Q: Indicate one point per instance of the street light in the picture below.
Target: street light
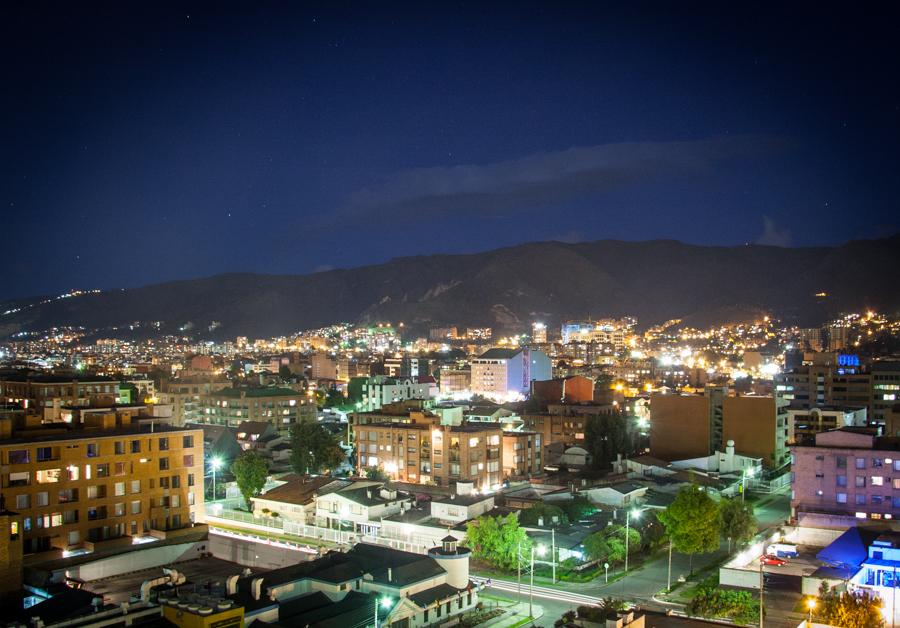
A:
(385, 603)
(811, 604)
(215, 463)
(748, 473)
(628, 514)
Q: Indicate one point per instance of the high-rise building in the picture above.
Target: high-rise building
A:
(539, 333)
(885, 389)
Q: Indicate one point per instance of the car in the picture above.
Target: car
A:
(769, 559)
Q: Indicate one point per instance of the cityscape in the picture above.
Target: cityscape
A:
(490, 316)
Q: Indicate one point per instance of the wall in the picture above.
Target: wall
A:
(137, 560)
(751, 423)
(679, 427)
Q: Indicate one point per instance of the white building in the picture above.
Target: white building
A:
(506, 374)
(380, 390)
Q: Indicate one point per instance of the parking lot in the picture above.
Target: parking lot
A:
(803, 565)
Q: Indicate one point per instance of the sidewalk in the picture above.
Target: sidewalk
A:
(515, 615)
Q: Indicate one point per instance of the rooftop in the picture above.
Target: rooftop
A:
(499, 354)
(80, 432)
(254, 393)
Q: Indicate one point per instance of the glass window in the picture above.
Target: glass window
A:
(136, 507)
(163, 444)
(120, 448)
(860, 498)
(163, 464)
(19, 456)
(23, 501)
(841, 498)
(860, 463)
(119, 489)
(135, 486)
(135, 446)
(189, 460)
(93, 450)
(876, 480)
(187, 441)
(860, 481)
(841, 462)
(842, 480)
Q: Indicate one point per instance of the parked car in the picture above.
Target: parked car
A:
(770, 559)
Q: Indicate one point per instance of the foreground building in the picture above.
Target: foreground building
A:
(847, 475)
(111, 476)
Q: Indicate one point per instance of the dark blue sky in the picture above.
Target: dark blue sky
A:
(170, 143)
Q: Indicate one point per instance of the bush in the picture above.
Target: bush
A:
(714, 603)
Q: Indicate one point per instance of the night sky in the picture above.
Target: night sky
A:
(188, 141)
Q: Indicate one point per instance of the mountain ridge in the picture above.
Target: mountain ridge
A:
(507, 288)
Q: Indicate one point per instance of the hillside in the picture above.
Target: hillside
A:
(508, 288)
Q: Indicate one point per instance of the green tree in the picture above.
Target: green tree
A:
(856, 610)
(543, 511)
(284, 373)
(499, 541)
(692, 522)
(737, 521)
(616, 541)
(596, 547)
(577, 508)
(250, 471)
(376, 473)
(605, 437)
(711, 602)
(314, 449)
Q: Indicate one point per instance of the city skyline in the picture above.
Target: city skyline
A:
(186, 143)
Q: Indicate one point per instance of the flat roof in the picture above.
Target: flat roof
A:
(143, 428)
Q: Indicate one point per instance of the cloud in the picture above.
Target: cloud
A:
(772, 235)
(547, 178)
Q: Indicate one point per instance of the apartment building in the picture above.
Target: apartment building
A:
(185, 396)
(885, 390)
(826, 379)
(76, 485)
(282, 407)
(694, 426)
(422, 450)
(804, 424)
(508, 373)
(379, 391)
(48, 394)
(846, 475)
(522, 455)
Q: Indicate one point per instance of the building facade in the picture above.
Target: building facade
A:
(282, 407)
(101, 480)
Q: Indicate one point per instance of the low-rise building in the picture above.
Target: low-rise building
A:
(847, 475)
(282, 407)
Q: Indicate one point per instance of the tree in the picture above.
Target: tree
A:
(596, 547)
(848, 610)
(543, 511)
(737, 521)
(250, 471)
(376, 473)
(498, 540)
(577, 508)
(616, 542)
(606, 436)
(313, 448)
(692, 522)
(284, 373)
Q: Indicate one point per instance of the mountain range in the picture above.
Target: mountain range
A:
(506, 288)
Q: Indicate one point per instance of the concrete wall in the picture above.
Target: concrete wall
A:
(250, 554)
(734, 577)
(816, 537)
(137, 560)
(751, 423)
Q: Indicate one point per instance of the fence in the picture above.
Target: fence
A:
(217, 514)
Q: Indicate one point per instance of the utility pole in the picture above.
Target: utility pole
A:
(531, 587)
(553, 552)
(762, 585)
(519, 571)
(669, 577)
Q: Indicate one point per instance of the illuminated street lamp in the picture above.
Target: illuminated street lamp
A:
(628, 514)
(385, 603)
(748, 473)
(811, 605)
(215, 463)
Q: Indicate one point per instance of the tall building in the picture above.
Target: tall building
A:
(885, 389)
(694, 426)
(539, 333)
(185, 396)
(508, 373)
(282, 407)
(106, 478)
(826, 379)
